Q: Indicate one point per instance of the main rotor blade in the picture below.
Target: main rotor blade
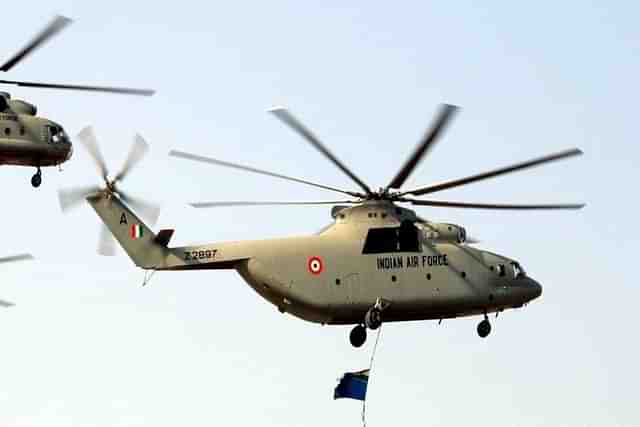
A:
(444, 116)
(251, 203)
(72, 197)
(149, 211)
(287, 118)
(203, 159)
(497, 172)
(106, 244)
(14, 258)
(107, 89)
(138, 150)
(54, 27)
(495, 206)
(88, 139)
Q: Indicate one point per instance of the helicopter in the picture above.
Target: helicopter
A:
(25, 138)
(377, 262)
(9, 259)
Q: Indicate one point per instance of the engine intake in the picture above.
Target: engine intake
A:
(22, 107)
(443, 232)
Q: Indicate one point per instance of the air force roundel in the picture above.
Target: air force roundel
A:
(315, 265)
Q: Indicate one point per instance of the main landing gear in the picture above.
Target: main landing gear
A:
(372, 320)
(36, 179)
(484, 327)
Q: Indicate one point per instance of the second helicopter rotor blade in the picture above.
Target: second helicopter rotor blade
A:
(88, 139)
(15, 258)
(138, 150)
(210, 160)
(54, 27)
(147, 210)
(255, 203)
(289, 119)
(494, 206)
(496, 172)
(430, 138)
(72, 197)
(86, 88)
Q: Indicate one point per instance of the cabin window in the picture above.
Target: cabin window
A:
(392, 239)
(501, 270)
(7, 131)
(21, 130)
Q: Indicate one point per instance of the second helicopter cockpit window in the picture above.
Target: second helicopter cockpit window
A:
(56, 135)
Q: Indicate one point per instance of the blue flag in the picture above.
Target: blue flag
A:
(353, 385)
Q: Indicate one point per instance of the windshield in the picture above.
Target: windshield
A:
(56, 135)
(518, 271)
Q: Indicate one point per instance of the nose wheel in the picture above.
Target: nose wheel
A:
(36, 179)
(484, 327)
(372, 320)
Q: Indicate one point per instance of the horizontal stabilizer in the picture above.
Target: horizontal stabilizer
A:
(164, 237)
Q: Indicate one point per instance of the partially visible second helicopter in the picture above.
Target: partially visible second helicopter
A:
(25, 138)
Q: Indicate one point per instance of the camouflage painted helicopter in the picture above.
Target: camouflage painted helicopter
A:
(9, 259)
(378, 262)
(28, 140)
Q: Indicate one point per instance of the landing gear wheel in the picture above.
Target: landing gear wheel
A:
(36, 179)
(484, 328)
(373, 319)
(358, 336)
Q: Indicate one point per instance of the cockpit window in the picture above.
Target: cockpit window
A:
(518, 271)
(392, 239)
(55, 134)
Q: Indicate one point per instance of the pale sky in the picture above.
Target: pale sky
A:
(87, 345)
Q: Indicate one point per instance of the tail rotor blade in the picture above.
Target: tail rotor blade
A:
(88, 139)
(149, 211)
(72, 197)
(106, 244)
(138, 150)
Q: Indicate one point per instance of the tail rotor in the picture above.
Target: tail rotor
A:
(71, 198)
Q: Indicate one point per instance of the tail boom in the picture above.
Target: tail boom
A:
(148, 250)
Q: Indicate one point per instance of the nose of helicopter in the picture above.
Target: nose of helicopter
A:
(529, 287)
(69, 150)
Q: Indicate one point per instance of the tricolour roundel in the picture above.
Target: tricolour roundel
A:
(315, 265)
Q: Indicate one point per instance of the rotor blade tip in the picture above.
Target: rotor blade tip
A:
(276, 109)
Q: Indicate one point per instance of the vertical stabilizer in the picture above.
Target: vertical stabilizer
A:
(130, 231)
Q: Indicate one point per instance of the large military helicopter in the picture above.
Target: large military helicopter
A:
(378, 262)
(28, 140)
(10, 259)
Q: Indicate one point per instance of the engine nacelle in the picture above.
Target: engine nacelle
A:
(22, 107)
(443, 232)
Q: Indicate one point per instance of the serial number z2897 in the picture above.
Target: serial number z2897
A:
(199, 255)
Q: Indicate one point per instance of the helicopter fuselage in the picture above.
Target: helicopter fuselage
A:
(337, 276)
(374, 251)
(32, 141)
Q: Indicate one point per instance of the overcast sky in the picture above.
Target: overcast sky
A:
(87, 345)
